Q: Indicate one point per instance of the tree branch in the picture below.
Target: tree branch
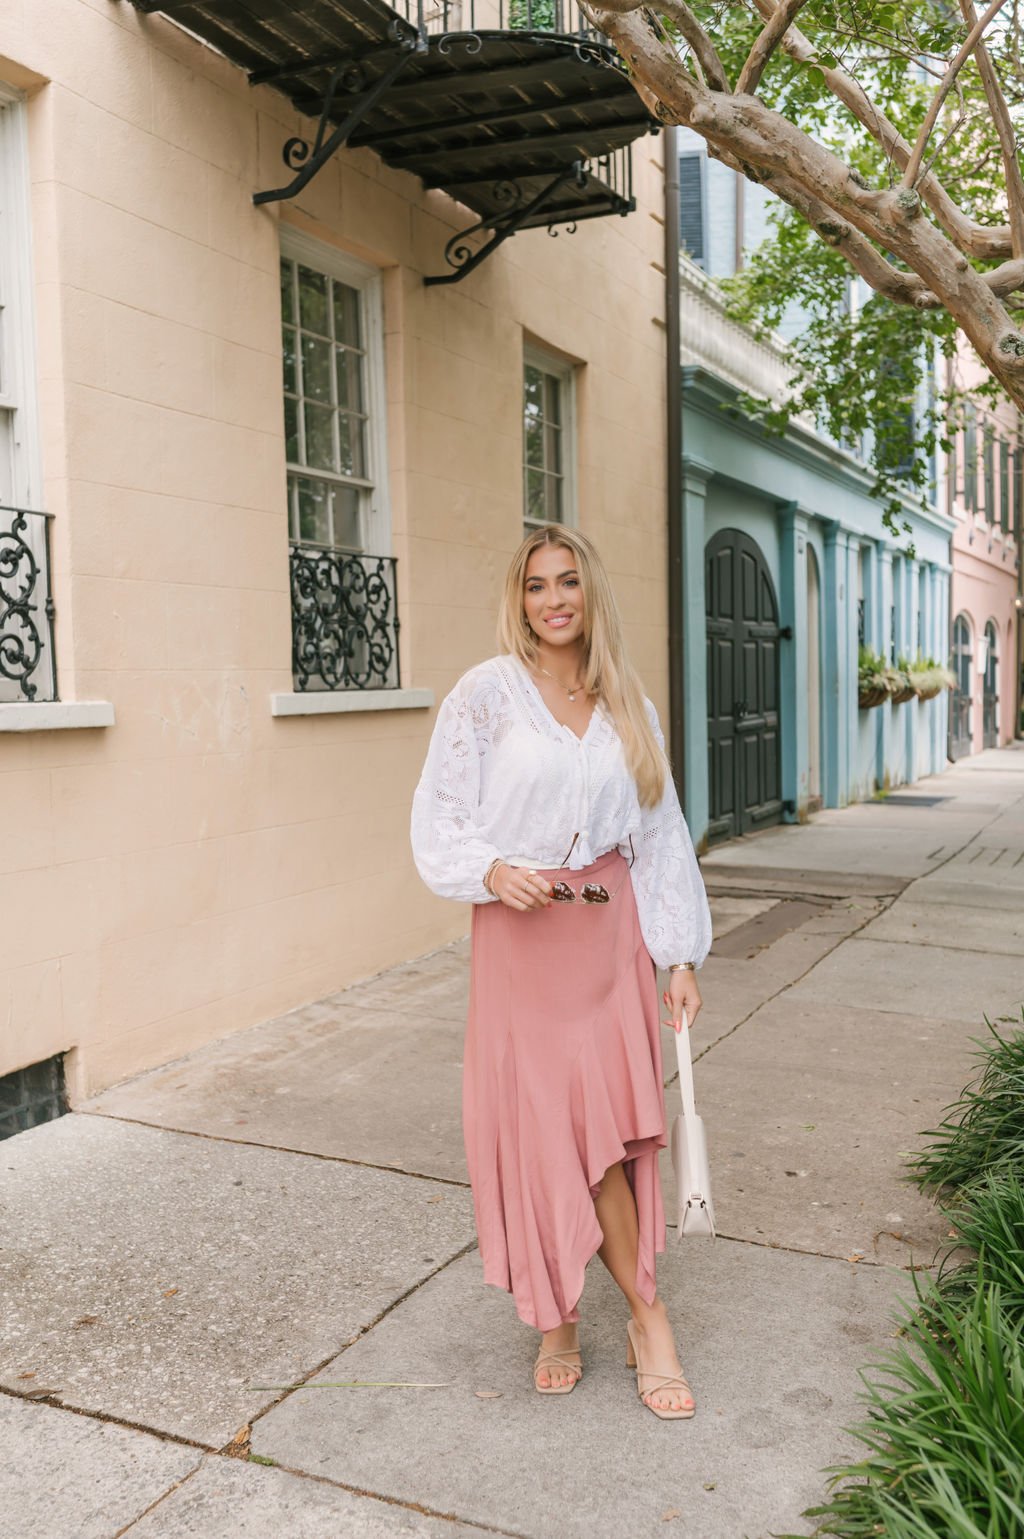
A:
(776, 151)
(765, 45)
(701, 46)
(973, 239)
(1007, 138)
(968, 46)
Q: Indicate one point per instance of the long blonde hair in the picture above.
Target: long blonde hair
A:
(607, 672)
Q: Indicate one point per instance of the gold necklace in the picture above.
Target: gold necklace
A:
(571, 691)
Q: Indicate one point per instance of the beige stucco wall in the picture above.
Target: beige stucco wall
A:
(202, 865)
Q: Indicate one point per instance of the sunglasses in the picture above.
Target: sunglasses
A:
(590, 892)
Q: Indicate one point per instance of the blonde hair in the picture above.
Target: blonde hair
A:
(607, 672)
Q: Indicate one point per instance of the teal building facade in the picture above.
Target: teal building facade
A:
(787, 568)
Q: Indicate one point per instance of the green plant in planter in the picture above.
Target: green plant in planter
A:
(874, 686)
(929, 678)
(900, 682)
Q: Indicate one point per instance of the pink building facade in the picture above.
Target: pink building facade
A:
(986, 492)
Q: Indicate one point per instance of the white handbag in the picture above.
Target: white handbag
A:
(689, 1149)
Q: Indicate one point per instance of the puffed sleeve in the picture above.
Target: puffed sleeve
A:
(670, 897)
(451, 855)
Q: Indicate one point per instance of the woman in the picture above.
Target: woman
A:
(546, 802)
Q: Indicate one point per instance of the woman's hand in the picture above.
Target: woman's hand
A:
(519, 888)
(683, 994)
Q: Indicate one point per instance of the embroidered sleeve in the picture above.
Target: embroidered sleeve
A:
(670, 897)
(450, 853)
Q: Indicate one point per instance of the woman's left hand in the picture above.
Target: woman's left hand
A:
(683, 994)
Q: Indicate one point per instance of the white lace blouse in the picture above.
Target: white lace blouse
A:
(503, 778)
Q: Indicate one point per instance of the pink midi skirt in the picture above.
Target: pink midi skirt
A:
(561, 1080)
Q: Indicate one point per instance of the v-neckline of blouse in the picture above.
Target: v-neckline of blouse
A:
(561, 725)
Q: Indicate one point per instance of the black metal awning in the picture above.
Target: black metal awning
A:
(527, 122)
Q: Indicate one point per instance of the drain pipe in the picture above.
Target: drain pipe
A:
(674, 466)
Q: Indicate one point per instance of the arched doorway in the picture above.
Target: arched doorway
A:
(813, 678)
(990, 689)
(960, 701)
(743, 687)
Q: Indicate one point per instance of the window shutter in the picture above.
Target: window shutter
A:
(691, 205)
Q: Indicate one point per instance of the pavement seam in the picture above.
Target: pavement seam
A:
(395, 1501)
(254, 1143)
(108, 1418)
(364, 1330)
(158, 1500)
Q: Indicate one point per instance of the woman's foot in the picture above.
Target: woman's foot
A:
(656, 1351)
(562, 1369)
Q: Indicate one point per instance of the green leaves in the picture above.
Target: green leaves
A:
(982, 1132)
(944, 1424)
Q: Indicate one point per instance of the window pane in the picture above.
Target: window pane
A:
(287, 294)
(535, 495)
(288, 350)
(554, 499)
(312, 301)
(552, 398)
(291, 430)
(349, 367)
(534, 443)
(351, 461)
(320, 437)
(346, 315)
(316, 369)
(552, 448)
(314, 523)
(347, 523)
(533, 391)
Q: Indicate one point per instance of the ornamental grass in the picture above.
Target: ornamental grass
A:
(990, 1221)
(984, 1129)
(944, 1422)
(945, 1430)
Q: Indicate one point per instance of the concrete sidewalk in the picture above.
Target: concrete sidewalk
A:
(289, 1208)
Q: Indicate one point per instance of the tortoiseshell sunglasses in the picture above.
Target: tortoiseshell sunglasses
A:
(590, 892)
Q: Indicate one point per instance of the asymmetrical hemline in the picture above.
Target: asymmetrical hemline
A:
(561, 1080)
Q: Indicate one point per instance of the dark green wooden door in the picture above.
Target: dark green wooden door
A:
(743, 687)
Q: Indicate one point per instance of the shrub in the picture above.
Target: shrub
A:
(945, 1431)
(984, 1130)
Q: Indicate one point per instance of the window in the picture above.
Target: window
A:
(548, 442)
(19, 452)
(344, 604)
(970, 459)
(26, 604)
(1004, 485)
(332, 355)
(989, 465)
(691, 206)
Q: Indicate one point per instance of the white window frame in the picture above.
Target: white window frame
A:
(18, 399)
(297, 246)
(565, 373)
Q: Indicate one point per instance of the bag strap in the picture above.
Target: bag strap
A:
(685, 1070)
(690, 1121)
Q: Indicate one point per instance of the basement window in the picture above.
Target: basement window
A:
(31, 1096)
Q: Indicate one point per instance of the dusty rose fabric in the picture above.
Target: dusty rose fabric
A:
(561, 1079)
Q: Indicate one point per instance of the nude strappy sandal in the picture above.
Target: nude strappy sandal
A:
(662, 1381)
(544, 1360)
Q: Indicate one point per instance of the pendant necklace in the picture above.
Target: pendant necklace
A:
(571, 691)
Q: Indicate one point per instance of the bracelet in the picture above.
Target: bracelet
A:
(682, 967)
(489, 873)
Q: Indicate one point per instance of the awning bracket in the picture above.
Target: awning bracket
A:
(461, 256)
(347, 76)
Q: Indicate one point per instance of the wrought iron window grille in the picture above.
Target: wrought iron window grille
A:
(344, 619)
(27, 668)
(519, 109)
